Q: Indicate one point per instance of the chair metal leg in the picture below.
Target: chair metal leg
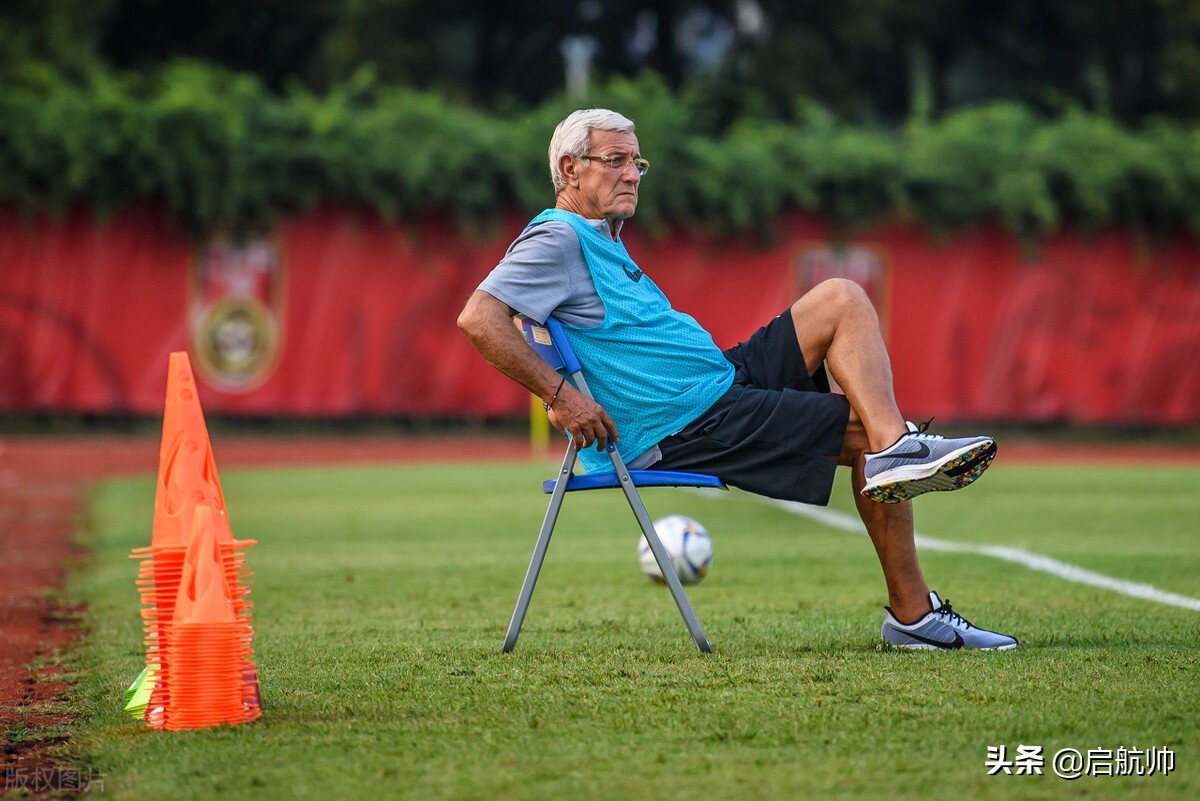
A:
(539, 550)
(647, 527)
(660, 555)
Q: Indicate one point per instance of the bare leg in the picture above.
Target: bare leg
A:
(890, 526)
(836, 324)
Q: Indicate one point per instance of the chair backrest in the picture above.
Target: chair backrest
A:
(551, 343)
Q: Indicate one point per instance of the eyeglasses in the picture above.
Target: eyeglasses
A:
(622, 160)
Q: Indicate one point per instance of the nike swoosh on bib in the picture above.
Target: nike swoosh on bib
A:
(634, 275)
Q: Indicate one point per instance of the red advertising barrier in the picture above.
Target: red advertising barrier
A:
(339, 314)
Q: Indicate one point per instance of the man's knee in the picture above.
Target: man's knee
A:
(844, 294)
(824, 309)
(832, 301)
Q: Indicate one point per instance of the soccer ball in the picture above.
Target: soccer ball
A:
(688, 545)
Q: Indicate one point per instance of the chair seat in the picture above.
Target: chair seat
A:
(641, 478)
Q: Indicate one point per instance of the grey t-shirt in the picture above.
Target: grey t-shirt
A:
(543, 274)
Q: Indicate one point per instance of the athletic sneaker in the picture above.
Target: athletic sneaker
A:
(918, 463)
(943, 628)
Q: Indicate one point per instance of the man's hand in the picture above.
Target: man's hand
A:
(585, 420)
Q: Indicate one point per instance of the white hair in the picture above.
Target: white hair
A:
(573, 137)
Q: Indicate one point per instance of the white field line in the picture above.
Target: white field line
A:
(1033, 561)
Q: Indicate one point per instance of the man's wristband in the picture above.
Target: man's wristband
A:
(549, 405)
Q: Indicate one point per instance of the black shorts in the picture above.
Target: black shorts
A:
(776, 432)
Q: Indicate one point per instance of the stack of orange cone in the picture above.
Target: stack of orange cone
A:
(205, 646)
(188, 483)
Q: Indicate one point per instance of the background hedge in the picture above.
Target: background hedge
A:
(216, 150)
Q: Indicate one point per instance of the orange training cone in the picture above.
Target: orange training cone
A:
(206, 647)
(187, 471)
(187, 481)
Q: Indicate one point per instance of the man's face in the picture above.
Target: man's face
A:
(605, 192)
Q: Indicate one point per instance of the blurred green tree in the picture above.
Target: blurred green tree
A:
(869, 61)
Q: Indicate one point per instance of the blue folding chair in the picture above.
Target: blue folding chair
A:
(551, 344)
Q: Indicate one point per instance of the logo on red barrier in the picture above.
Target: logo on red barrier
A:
(236, 312)
(865, 265)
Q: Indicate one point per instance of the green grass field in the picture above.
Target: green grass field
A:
(382, 595)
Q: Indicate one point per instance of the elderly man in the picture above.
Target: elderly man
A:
(758, 415)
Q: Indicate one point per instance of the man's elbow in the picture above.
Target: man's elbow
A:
(466, 320)
(480, 315)
(470, 319)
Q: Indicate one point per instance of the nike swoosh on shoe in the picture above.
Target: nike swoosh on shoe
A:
(957, 642)
(920, 453)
